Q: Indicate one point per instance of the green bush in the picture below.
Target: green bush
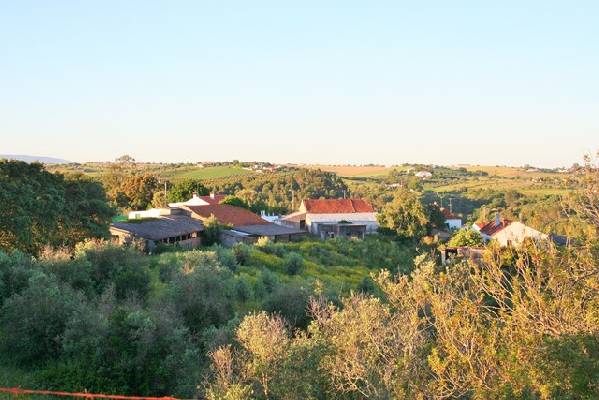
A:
(294, 263)
(291, 302)
(242, 253)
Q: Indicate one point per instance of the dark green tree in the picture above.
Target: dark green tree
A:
(182, 191)
(405, 215)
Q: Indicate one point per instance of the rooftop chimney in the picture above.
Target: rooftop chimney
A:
(497, 219)
(212, 195)
(194, 195)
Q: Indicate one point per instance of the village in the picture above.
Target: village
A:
(182, 225)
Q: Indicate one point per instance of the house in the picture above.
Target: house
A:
(329, 218)
(167, 226)
(423, 175)
(245, 226)
(452, 221)
(506, 232)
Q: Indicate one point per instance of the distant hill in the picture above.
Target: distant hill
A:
(30, 159)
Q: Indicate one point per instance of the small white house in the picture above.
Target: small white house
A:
(452, 221)
(507, 233)
(423, 175)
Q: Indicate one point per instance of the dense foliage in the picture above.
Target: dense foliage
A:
(281, 192)
(521, 325)
(39, 209)
(109, 319)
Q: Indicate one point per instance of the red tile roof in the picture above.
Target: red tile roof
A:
(491, 228)
(447, 214)
(337, 206)
(227, 214)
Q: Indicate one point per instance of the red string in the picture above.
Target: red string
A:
(82, 395)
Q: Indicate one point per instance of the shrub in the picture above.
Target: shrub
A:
(293, 263)
(242, 253)
(33, 321)
(291, 303)
(243, 290)
(203, 296)
(227, 258)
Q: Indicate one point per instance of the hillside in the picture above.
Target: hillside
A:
(30, 159)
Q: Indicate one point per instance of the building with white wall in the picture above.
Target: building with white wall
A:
(334, 217)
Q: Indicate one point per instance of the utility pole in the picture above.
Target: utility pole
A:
(165, 202)
(450, 206)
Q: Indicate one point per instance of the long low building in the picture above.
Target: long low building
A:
(170, 228)
(251, 233)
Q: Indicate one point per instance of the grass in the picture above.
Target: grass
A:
(350, 171)
(120, 218)
(204, 173)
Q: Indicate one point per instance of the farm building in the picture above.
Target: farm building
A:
(170, 226)
(182, 223)
(329, 218)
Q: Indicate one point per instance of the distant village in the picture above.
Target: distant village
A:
(183, 224)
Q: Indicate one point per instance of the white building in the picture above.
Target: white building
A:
(452, 221)
(423, 175)
(334, 217)
(507, 233)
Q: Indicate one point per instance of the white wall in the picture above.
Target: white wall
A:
(368, 219)
(516, 232)
(454, 223)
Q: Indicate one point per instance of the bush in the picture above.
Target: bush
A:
(243, 291)
(293, 263)
(112, 264)
(291, 302)
(33, 322)
(242, 253)
(15, 270)
(227, 258)
(203, 297)
(367, 286)
(466, 238)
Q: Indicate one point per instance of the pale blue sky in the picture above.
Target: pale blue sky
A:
(508, 82)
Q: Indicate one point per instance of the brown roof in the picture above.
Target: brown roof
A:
(447, 214)
(337, 206)
(162, 227)
(227, 214)
(491, 228)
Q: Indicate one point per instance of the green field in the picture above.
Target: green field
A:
(204, 173)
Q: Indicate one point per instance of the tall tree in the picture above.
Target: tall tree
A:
(405, 215)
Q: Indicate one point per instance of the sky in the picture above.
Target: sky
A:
(388, 82)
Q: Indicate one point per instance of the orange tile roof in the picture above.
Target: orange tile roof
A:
(491, 228)
(447, 214)
(337, 206)
(227, 214)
